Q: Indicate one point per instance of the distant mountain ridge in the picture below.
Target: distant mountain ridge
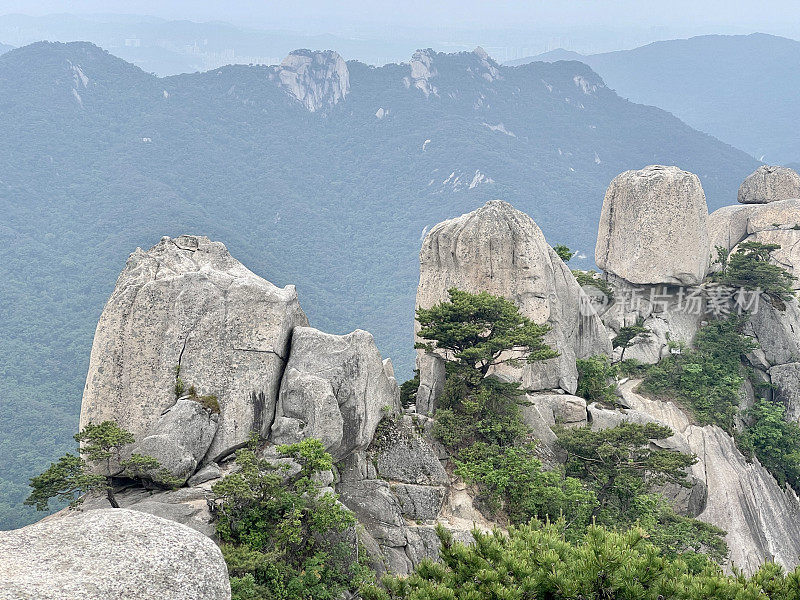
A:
(100, 157)
(743, 89)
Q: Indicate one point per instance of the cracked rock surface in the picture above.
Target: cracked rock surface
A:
(188, 302)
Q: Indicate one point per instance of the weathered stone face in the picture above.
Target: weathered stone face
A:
(762, 518)
(335, 388)
(786, 379)
(653, 227)
(768, 184)
(188, 302)
(111, 553)
(501, 250)
(180, 438)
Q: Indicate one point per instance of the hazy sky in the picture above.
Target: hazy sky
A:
(335, 16)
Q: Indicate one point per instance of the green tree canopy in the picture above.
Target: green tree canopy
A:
(478, 330)
(72, 476)
(535, 561)
(564, 253)
(750, 268)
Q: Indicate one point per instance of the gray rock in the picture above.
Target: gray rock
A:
(647, 211)
(776, 331)
(180, 438)
(432, 376)
(335, 389)
(403, 455)
(187, 506)
(781, 214)
(561, 409)
(111, 553)
(376, 508)
(786, 379)
(187, 301)
(419, 502)
(208, 473)
(788, 255)
(768, 184)
(502, 251)
(762, 518)
(727, 226)
(422, 543)
(317, 79)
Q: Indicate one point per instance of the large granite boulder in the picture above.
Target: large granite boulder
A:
(180, 438)
(768, 184)
(653, 227)
(775, 223)
(401, 454)
(499, 249)
(110, 553)
(188, 303)
(335, 388)
(761, 517)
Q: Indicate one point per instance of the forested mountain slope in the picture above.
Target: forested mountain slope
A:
(743, 89)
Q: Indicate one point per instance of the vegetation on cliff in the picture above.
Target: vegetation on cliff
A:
(537, 561)
(283, 536)
(609, 476)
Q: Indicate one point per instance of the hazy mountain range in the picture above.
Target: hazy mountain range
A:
(743, 89)
(323, 175)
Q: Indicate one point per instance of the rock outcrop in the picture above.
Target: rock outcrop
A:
(775, 223)
(111, 553)
(768, 184)
(335, 388)
(501, 250)
(188, 303)
(318, 80)
(762, 518)
(180, 438)
(653, 227)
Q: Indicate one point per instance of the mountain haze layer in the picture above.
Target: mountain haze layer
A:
(318, 173)
(743, 89)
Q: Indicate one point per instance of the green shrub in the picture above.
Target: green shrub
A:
(750, 268)
(512, 481)
(597, 379)
(591, 278)
(706, 379)
(281, 537)
(774, 440)
(536, 561)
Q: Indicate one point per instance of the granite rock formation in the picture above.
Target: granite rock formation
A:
(188, 303)
(318, 80)
(499, 249)
(768, 184)
(111, 553)
(653, 227)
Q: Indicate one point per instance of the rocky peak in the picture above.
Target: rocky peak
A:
(490, 70)
(318, 79)
(500, 249)
(427, 65)
(422, 72)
